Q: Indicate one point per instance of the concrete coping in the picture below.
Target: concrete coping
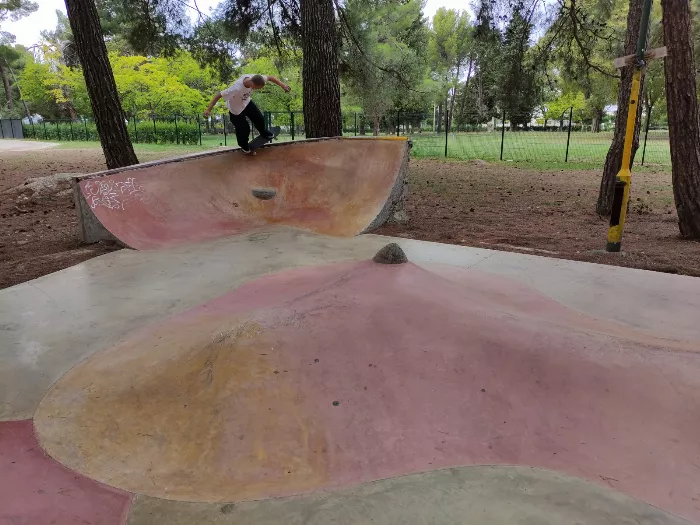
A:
(222, 151)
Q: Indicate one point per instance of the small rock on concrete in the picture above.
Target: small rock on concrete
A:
(264, 194)
(391, 254)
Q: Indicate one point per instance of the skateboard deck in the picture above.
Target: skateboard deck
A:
(261, 140)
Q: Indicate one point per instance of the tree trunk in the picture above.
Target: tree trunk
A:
(683, 115)
(6, 85)
(613, 161)
(320, 76)
(375, 129)
(597, 119)
(466, 91)
(104, 98)
(439, 119)
(451, 113)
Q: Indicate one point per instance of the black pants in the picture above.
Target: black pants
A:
(243, 128)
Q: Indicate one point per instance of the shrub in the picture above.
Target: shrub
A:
(165, 131)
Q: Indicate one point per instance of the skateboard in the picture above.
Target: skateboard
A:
(260, 140)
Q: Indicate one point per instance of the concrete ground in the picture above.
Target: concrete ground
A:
(24, 145)
(472, 386)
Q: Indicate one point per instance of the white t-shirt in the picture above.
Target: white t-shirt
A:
(237, 96)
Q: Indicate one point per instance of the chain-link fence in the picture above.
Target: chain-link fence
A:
(539, 142)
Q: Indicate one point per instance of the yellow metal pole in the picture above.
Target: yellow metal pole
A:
(624, 176)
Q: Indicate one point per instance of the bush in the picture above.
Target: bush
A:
(62, 130)
(165, 132)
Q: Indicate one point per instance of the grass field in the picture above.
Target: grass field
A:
(532, 149)
(538, 149)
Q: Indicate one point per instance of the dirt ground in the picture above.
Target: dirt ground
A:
(500, 206)
(470, 203)
(38, 235)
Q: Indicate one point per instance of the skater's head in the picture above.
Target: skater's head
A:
(257, 81)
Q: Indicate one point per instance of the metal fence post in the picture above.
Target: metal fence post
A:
(568, 137)
(223, 121)
(136, 129)
(398, 124)
(44, 123)
(292, 114)
(86, 131)
(70, 123)
(447, 131)
(503, 132)
(31, 121)
(58, 130)
(199, 129)
(177, 135)
(356, 123)
(646, 135)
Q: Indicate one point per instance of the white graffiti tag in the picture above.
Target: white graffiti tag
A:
(113, 195)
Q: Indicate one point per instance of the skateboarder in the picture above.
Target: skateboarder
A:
(240, 106)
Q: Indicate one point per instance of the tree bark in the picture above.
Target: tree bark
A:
(683, 115)
(597, 119)
(104, 98)
(613, 161)
(320, 75)
(6, 85)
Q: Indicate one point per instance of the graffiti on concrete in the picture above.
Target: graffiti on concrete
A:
(114, 195)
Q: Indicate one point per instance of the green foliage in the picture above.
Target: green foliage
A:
(450, 45)
(153, 28)
(508, 57)
(165, 132)
(62, 130)
(145, 131)
(558, 108)
(272, 98)
(35, 82)
(161, 85)
(383, 55)
(520, 85)
(176, 85)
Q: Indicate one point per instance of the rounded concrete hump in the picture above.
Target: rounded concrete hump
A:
(264, 194)
(391, 254)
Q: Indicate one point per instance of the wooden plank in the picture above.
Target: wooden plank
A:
(652, 54)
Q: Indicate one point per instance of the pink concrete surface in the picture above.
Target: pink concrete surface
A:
(36, 490)
(335, 187)
(427, 371)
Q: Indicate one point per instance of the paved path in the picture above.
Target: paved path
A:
(24, 145)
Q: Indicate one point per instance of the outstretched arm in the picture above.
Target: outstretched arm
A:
(213, 102)
(281, 84)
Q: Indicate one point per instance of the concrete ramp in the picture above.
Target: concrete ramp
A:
(339, 186)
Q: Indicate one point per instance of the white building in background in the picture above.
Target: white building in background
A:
(36, 119)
